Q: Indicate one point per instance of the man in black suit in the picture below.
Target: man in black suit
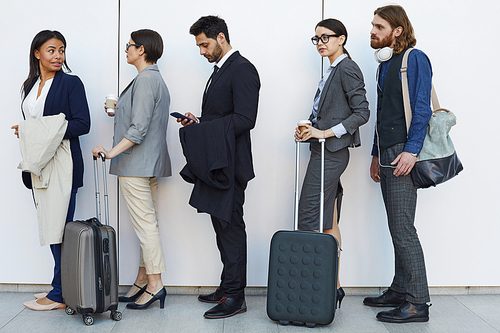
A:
(229, 112)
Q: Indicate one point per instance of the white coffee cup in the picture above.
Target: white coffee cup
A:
(302, 124)
(111, 99)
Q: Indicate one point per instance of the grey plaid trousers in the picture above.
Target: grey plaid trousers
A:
(400, 199)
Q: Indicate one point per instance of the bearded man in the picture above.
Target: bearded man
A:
(395, 152)
(218, 151)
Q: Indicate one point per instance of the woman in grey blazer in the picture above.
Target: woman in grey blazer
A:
(139, 156)
(339, 108)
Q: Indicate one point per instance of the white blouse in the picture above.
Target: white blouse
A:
(33, 106)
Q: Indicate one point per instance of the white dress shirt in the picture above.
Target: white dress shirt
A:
(32, 105)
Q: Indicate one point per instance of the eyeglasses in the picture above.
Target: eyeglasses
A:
(129, 45)
(324, 38)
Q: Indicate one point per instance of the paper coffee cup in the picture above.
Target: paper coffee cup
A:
(111, 99)
(302, 124)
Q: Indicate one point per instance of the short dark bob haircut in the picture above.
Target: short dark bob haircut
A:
(152, 42)
(211, 26)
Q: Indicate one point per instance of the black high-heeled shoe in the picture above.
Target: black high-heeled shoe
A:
(134, 297)
(340, 295)
(161, 294)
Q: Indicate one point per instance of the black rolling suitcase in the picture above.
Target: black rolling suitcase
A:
(302, 280)
(89, 270)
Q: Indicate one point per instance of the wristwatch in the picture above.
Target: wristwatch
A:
(414, 155)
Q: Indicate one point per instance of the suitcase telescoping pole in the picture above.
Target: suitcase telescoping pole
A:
(322, 193)
(296, 212)
(97, 194)
(106, 205)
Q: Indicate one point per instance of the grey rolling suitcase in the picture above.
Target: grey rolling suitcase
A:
(89, 270)
(302, 280)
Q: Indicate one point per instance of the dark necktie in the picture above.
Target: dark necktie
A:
(216, 69)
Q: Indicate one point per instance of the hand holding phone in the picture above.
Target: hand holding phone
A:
(183, 117)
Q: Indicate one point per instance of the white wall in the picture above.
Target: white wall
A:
(457, 222)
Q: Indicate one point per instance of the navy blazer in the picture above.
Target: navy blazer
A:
(67, 95)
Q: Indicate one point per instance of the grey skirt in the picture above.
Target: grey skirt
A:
(335, 165)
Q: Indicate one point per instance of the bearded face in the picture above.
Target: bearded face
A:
(209, 47)
(382, 34)
(378, 42)
(215, 56)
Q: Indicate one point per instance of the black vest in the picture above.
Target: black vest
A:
(391, 123)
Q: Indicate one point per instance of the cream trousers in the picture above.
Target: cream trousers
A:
(141, 196)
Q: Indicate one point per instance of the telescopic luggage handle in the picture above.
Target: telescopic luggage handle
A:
(322, 194)
(97, 194)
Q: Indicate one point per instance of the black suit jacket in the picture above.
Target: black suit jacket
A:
(234, 94)
(233, 97)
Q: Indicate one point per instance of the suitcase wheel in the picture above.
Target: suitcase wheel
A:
(310, 325)
(116, 315)
(69, 311)
(284, 322)
(88, 320)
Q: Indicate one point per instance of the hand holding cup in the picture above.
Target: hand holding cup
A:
(301, 126)
(111, 101)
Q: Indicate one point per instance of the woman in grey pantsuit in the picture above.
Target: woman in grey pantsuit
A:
(339, 108)
(139, 157)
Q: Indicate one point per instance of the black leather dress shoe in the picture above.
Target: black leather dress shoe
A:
(227, 307)
(406, 313)
(213, 297)
(389, 298)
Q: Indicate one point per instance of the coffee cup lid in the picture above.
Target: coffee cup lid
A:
(304, 122)
(112, 96)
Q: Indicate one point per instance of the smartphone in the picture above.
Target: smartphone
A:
(180, 115)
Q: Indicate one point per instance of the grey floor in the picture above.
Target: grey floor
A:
(458, 313)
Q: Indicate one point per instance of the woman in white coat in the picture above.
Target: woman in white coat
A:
(49, 91)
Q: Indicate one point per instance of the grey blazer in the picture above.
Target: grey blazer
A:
(141, 116)
(343, 100)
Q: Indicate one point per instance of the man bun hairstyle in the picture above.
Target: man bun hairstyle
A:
(396, 16)
(211, 26)
(152, 42)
